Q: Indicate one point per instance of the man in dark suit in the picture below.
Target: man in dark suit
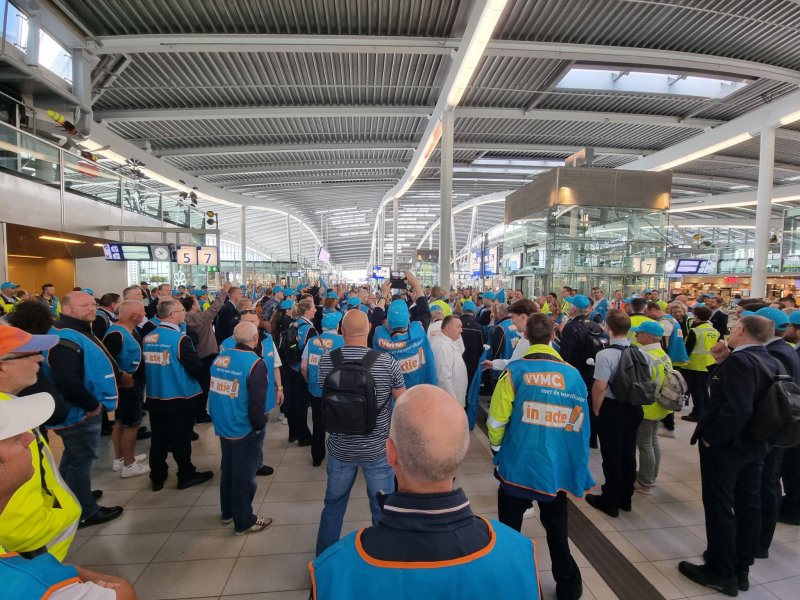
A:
(731, 460)
(473, 338)
(228, 315)
(718, 320)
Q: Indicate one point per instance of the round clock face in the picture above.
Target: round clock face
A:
(161, 253)
(670, 266)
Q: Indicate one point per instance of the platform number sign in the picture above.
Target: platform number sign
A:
(644, 265)
(205, 256)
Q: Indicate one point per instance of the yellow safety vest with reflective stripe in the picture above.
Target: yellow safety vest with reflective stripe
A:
(43, 512)
(660, 366)
(700, 358)
(636, 320)
(7, 306)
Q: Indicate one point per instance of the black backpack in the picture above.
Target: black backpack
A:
(633, 382)
(349, 404)
(593, 339)
(776, 415)
(289, 345)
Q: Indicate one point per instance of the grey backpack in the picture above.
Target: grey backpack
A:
(674, 393)
(633, 383)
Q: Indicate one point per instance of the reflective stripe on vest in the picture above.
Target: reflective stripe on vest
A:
(507, 563)
(546, 444)
(317, 348)
(167, 379)
(700, 358)
(34, 578)
(228, 396)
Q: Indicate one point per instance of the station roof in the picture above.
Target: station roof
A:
(320, 105)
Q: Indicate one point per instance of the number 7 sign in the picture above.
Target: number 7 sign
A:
(207, 256)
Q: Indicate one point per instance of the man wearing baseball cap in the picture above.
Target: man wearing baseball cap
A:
(8, 298)
(42, 513)
(36, 572)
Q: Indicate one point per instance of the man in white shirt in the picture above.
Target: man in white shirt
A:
(450, 368)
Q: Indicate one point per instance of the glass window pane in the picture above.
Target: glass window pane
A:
(54, 57)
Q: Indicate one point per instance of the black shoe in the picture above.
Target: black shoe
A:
(788, 519)
(762, 553)
(143, 434)
(703, 575)
(206, 418)
(626, 506)
(292, 439)
(317, 462)
(103, 515)
(306, 442)
(106, 430)
(157, 486)
(596, 501)
(195, 437)
(198, 478)
(265, 470)
(97, 494)
(569, 592)
(743, 581)
(690, 418)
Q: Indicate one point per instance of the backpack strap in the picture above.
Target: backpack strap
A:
(337, 357)
(370, 357)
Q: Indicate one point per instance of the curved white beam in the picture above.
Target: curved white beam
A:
(492, 198)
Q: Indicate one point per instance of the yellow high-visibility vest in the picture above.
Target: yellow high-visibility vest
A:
(700, 358)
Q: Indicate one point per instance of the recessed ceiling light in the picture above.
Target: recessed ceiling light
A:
(50, 238)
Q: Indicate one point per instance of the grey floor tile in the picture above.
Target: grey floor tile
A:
(785, 589)
(202, 517)
(659, 581)
(665, 544)
(276, 573)
(169, 497)
(301, 473)
(644, 515)
(282, 539)
(129, 572)
(295, 491)
(783, 562)
(673, 491)
(292, 513)
(120, 549)
(685, 513)
(196, 545)
(144, 520)
(184, 579)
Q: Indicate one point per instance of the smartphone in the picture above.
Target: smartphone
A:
(398, 281)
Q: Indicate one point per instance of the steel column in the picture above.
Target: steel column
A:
(395, 215)
(446, 200)
(766, 171)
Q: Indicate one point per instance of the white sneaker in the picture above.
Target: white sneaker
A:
(120, 462)
(529, 514)
(282, 419)
(135, 469)
(260, 525)
(670, 433)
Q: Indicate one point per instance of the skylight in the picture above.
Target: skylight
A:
(651, 83)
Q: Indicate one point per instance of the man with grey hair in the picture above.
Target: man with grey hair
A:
(427, 523)
(172, 370)
(238, 403)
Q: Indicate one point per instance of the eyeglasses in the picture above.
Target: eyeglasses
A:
(248, 312)
(21, 356)
(178, 311)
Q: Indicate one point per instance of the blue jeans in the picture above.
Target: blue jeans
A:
(341, 476)
(80, 452)
(241, 458)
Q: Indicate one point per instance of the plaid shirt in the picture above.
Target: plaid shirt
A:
(268, 307)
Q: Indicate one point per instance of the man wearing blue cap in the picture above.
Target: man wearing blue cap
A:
(315, 349)
(408, 343)
(8, 298)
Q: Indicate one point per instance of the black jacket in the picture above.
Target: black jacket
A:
(735, 385)
(473, 337)
(787, 356)
(719, 321)
(225, 321)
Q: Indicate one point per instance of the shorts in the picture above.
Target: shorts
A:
(129, 406)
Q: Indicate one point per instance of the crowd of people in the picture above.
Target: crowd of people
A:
(392, 377)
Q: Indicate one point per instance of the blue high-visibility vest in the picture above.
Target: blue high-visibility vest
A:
(317, 348)
(99, 378)
(600, 309)
(34, 578)
(546, 443)
(228, 397)
(130, 357)
(677, 345)
(303, 329)
(167, 379)
(268, 356)
(510, 340)
(411, 350)
(506, 567)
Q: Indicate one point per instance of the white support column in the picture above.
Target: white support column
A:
(243, 241)
(446, 201)
(766, 169)
(395, 216)
(32, 49)
(289, 236)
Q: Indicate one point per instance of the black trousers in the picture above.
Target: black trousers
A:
(205, 384)
(731, 479)
(318, 433)
(790, 504)
(770, 497)
(172, 432)
(617, 425)
(553, 516)
(698, 388)
(296, 399)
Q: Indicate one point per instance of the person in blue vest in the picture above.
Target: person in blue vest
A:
(408, 344)
(39, 574)
(538, 429)
(123, 343)
(86, 376)
(172, 370)
(428, 542)
(317, 347)
(601, 306)
(239, 404)
(504, 336)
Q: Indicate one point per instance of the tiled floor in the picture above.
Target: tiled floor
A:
(171, 544)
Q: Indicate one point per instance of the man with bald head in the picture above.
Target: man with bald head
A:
(86, 376)
(427, 527)
(348, 452)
